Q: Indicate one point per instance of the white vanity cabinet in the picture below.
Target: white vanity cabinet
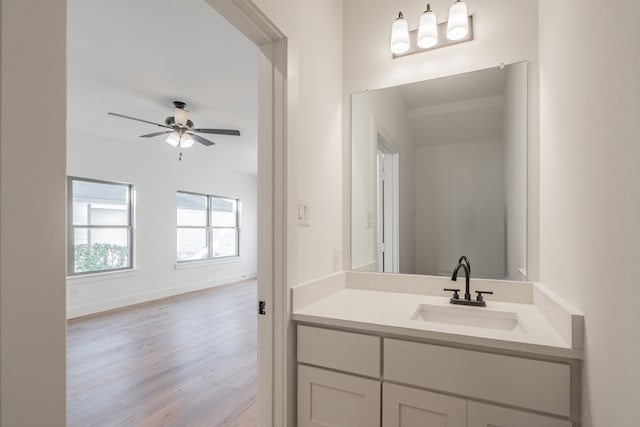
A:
(411, 407)
(484, 415)
(327, 398)
(348, 379)
(513, 381)
(338, 399)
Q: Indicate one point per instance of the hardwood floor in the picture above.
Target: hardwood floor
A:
(187, 361)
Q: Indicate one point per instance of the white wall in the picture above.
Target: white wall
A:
(459, 197)
(383, 112)
(504, 32)
(314, 147)
(514, 136)
(314, 135)
(590, 203)
(32, 176)
(156, 174)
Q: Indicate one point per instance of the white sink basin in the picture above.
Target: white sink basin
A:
(469, 316)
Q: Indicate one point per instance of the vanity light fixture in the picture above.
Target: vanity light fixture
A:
(431, 35)
(428, 29)
(458, 25)
(400, 35)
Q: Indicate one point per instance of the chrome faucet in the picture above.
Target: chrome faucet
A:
(455, 299)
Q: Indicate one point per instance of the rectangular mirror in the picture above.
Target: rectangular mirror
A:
(439, 170)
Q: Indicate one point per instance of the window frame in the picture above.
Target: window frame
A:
(71, 228)
(210, 227)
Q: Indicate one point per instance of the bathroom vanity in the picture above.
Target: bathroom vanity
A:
(439, 169)
(389, 350)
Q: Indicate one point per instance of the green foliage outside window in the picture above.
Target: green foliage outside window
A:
(100, 256)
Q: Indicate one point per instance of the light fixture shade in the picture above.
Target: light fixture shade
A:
(186, 141)
(181, 116)
(173, 139)
(428, 29)
(458, 26)
(400, 35)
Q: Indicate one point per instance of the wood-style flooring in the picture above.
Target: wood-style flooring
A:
(186, 361)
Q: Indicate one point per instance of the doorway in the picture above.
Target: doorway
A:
(151, 218)
(270, 200)
(36, 88)
(388, 209)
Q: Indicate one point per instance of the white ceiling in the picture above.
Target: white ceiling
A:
(462, 108)
(461, 87)
(136, 57)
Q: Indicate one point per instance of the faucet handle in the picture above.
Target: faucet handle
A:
(455, 292)
(479, 297)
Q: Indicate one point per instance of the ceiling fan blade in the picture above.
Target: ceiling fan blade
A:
(233, 132)
(201, 140)
(140, 120)
(151, 135)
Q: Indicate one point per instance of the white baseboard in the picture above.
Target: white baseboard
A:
(127, 300)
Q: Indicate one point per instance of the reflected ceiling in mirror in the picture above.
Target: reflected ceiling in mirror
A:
(439, 170)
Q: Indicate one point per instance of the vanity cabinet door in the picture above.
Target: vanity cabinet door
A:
(327, 398)
(483, 415)
(410, 407)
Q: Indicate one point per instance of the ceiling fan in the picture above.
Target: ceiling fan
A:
(181, 132)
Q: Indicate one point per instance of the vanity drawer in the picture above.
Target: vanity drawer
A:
(532, 384)
(343, 351)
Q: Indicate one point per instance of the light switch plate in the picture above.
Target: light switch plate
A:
(303, 212)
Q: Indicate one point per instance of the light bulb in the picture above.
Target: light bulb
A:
(400, 35)
(428, 29)
(173, 139)
(186, 141)
(458, 26)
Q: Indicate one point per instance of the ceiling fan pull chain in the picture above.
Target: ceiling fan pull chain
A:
(180, 157)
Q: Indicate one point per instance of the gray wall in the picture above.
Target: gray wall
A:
(460, 207)
(32, 165)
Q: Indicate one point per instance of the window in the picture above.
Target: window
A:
(99, 225)
(208, 227)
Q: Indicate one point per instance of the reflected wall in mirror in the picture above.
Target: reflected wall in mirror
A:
(439, 170)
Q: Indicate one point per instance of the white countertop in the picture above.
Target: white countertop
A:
(388, 312)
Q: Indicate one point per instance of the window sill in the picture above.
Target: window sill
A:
(206, 263)
(107, 275)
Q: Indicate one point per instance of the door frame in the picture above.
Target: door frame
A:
(384, 142)
(272, 203)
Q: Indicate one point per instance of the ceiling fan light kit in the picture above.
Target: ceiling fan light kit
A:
(173, 139)
(181, 141)
(186, 141)
(181, 133)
